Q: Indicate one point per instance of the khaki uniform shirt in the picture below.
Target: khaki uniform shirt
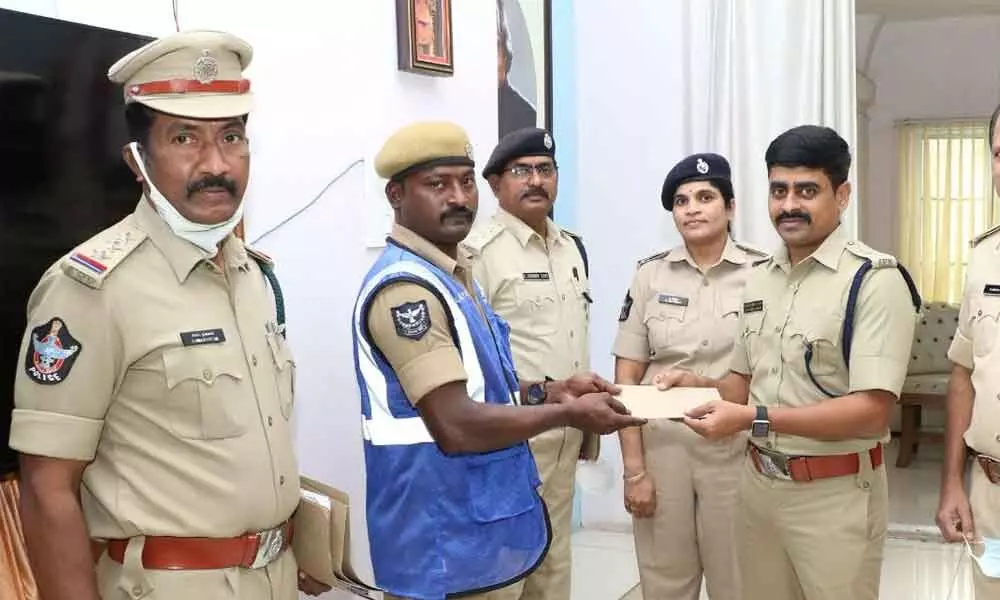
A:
(677, 316)
(179, 389)
(434, 360)
(786, 308)
(975, 343)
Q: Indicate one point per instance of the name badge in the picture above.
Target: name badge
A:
(754, 306)
(672, 300)
(536, 276)
(205, 336)
(992, 289)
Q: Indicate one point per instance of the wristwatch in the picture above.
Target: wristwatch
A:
(761, 425)
(537, 393)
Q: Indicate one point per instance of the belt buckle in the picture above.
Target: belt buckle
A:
(774, 465)
(270, 543)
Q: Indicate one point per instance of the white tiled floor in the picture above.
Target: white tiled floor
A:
(917, 565)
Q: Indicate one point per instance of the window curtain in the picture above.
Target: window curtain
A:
(946, 198)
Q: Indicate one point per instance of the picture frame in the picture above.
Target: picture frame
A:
(424, 37)
(524, 55)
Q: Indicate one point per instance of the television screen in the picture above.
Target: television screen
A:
(62, 178)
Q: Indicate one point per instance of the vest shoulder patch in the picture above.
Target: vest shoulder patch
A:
(92, 262)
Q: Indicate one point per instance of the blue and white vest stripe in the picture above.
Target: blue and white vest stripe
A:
(443, 524)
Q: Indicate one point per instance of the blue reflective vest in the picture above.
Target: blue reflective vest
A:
(441, 524)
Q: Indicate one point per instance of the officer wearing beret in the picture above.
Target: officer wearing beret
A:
(820, 355)
(681, 311)
(534, 275)
(154, 395)
(452, 504)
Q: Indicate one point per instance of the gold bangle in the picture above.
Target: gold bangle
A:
(634, 478)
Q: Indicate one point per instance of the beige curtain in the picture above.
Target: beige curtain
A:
(946, 198)
(16, 580)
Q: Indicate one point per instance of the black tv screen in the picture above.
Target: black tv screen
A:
(62, 178)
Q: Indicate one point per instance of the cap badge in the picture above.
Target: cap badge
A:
(702, 166)
(547, 140)
(206, 68)
(468, 150)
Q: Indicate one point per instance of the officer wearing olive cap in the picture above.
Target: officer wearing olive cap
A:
(682, 311)
(154, 395)
(452, 500)
(534, 275)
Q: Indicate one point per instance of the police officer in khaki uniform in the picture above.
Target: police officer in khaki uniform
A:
(154, 396)
(534, 275)
(436, 384)
(681, 311)
(821, 366)
(973, 412)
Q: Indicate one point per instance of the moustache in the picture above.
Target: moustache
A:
(788, 216)
(535, 191)
(210, 182)
(457, 212)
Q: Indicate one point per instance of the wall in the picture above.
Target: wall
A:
(328, 93)
(923, 69)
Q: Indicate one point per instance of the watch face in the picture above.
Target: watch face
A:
(536, 395)
(759, 429)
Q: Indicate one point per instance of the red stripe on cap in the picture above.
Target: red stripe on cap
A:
(186, 86)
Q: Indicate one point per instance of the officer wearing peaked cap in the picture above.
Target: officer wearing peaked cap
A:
(534, 274)
(682, 311)
(451, 483)
(154, 395)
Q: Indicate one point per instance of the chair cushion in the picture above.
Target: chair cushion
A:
(932, 338)
(936, 383)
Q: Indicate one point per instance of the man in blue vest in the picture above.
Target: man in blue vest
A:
(452, 502)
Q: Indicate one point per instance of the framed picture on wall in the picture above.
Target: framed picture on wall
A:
(424, 39)
(524, 56)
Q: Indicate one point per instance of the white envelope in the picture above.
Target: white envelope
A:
(647, 402)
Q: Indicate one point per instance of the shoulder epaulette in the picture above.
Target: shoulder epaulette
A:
(259, 256)
(572, 234)
(880, 260)
(650, 259)
(754, 250)
(480, 237)
(91, 262)
(982, 236)
(761, 261)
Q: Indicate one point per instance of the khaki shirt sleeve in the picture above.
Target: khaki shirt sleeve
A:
(960, 351)
(632, 340)
(883, 333)
(60, 402)
(423, 364)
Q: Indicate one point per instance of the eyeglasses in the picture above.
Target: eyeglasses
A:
(524, 172)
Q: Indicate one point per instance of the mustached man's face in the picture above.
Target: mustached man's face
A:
(439, 203)
(804, 206)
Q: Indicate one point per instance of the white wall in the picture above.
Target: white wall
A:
(923, 69)
(328, 93)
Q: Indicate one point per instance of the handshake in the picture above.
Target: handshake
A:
(590, 404)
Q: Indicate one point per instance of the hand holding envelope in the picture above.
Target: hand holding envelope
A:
(649, 402)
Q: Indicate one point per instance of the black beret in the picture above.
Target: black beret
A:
(530, 141)
(697, 167)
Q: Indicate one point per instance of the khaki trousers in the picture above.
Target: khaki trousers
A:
(817, 540)
(16, 579)
(277, 581)
(692, 532)
(985, 500)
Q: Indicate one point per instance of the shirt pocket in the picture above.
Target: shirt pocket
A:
(205, 392)
(582, 297)
(537, 306)
(663, 324)
(983, 320)
(821, 332)
(284, 372)
(490, 499)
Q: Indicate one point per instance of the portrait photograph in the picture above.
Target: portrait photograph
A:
(424, 36)
(524, 64)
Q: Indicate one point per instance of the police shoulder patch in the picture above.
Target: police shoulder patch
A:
(879, 260)
(51, 352)
(92, 262)
(412, 320)
(982, 236)
(480, 237)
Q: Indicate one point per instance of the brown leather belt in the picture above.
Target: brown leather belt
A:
(809, 468)
(990, 466)
(250, 551)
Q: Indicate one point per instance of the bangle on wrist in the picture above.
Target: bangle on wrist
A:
(635, 478)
